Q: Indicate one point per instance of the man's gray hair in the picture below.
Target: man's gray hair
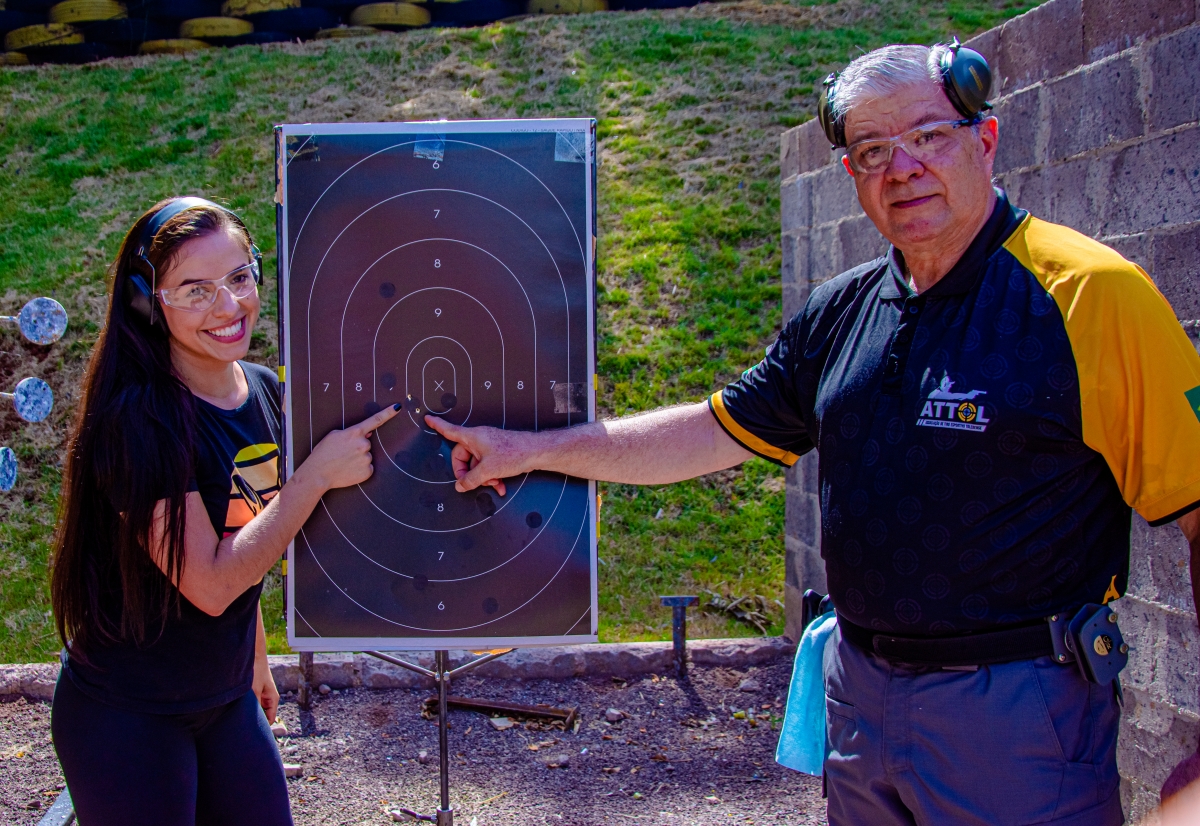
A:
(884, 71)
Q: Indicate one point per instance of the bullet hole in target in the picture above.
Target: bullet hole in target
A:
(490, 605)
(420, 582)
(387, 289)
(465, 542)
(448, 401)
(388, 380)
(371, 408)
(483, 501)
(533, 519)
(429, 500)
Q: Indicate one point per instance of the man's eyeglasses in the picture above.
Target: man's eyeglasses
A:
(922, 143)
(200, 295)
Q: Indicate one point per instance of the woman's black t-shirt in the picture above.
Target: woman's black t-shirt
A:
(201, 661)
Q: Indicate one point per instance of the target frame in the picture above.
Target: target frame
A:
(438, 144)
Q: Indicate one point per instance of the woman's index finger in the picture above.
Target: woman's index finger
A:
(373, 422)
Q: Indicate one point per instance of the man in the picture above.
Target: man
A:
(988, 401)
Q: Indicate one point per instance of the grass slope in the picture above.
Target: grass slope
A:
(690, 104)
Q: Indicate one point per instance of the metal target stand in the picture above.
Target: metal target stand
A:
(441, 675)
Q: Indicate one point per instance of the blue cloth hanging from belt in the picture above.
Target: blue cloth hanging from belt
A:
(802, 740)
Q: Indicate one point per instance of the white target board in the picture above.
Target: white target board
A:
(447, 267)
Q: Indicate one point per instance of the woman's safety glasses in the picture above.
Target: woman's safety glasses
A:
(922, 143)
(200, 295)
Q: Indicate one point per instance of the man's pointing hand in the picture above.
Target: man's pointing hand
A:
(481, 455)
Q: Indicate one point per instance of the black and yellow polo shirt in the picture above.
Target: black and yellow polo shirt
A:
(981, 445)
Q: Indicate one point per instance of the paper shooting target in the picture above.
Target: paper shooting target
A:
(447, 267)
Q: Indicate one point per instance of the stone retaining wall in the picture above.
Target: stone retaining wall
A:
(1099, 108)
(35, 681)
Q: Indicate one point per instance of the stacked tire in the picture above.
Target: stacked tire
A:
(12, 19)
(107, 26)
(566, 6)
(171, 15)
(275, 21)
(60, 38)
(340, 32)
(172, 45)
(74, 31)
(44, 42)
(393, 16)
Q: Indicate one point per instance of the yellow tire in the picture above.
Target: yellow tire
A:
(199, 28)
(346, 31)
(13, 59)
(46, 34)
(86, 11)
(240, 8)
(566, 6)
(390, 15)
(180, 45)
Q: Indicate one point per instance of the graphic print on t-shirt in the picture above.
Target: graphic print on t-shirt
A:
(255, 476)
(959, 411)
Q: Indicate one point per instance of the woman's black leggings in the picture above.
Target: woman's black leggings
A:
(123, 768)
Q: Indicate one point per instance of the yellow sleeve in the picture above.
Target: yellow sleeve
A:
(1139, 374)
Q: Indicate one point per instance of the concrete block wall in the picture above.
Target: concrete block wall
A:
(1099, 109)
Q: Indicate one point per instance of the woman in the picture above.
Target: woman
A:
(171, 515)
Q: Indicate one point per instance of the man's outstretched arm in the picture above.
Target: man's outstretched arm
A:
(655, 448)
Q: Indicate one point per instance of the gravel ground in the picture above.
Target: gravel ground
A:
(694, 753)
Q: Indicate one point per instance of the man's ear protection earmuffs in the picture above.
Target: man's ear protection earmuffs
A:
(141, 285)
(966, 80)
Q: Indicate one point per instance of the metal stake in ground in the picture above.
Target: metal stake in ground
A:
(445, 815)
(678, 606)
(304, 694)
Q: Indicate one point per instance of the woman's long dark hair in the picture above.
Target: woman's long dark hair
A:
(131, 446)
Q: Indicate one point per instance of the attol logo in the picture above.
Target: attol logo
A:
(945, 408)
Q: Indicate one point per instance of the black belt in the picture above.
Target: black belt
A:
(1019, 642)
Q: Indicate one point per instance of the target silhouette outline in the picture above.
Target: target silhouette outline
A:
(456, 376)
